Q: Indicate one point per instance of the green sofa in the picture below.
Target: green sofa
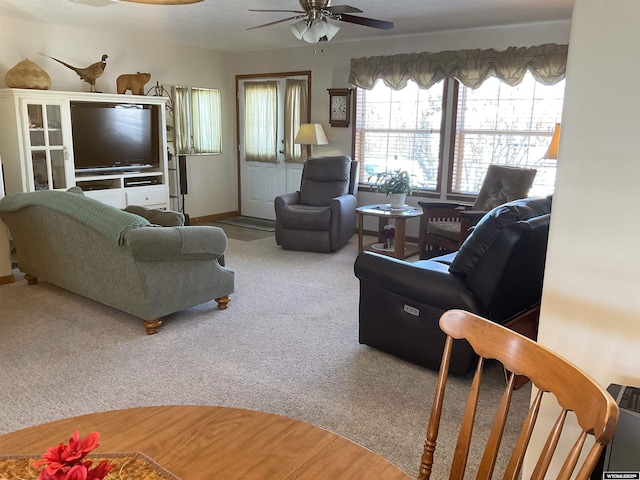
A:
(116, 257)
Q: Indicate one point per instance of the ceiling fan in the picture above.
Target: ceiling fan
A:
(313, 26)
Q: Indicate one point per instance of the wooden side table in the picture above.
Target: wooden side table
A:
(401, 249)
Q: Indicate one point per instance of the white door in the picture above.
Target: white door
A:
(262, 182)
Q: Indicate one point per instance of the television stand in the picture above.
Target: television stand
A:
(31, 163)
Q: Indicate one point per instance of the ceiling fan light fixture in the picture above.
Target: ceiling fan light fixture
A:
(299, 29)
(314, 31)
(331, 30)
(163, 2)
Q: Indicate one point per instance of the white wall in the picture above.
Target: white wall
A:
(590, 305)
(212, 179)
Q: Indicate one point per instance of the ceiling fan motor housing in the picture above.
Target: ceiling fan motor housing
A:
(309, 5)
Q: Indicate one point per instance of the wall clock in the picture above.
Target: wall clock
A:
(339, 106)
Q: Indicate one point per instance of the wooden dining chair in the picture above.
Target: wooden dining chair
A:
(595, 410)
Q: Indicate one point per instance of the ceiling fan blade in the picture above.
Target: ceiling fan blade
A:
(342, 9)
(277, 21)
(367, 22)
(281, 11)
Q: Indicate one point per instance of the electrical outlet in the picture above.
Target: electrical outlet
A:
(412, 310)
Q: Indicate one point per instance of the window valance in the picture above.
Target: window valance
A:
(547, 63)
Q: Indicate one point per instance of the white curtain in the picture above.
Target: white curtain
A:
(197, 120)
(182, 123)
(261, 121)
(295, 104)
(206, 115)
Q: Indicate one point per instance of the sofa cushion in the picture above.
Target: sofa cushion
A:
(492, 225)
(324, 179)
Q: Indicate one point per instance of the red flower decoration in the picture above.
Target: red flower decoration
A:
(65, 462)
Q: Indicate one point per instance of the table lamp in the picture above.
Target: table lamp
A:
(552, 151)
(311, 134)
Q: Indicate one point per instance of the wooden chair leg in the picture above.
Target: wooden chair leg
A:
(223, 302)
(152, 326)
(31, 280)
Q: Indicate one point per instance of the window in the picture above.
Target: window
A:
(261, 121)
(494, 123)
(399, 129)
(198, 121)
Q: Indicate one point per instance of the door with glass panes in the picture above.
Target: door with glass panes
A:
(267, 168)
(47, 145)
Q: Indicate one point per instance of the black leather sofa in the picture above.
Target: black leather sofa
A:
(497, 274)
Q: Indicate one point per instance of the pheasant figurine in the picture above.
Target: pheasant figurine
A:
(88, 74)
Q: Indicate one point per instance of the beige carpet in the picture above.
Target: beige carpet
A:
(287, 344)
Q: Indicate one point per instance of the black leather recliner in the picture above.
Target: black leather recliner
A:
(321, 216)
(497, 274)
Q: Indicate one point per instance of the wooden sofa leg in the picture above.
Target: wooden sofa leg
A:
(31, 280)
(152, 326)
(223, 302)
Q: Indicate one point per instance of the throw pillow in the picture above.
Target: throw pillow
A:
(163, 218)
(76, 189)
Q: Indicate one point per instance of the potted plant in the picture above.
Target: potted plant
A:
(396, 183)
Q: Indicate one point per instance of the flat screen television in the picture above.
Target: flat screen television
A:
(111, 137)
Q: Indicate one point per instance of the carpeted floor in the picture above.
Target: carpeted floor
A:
(250, 222)
(287, 344)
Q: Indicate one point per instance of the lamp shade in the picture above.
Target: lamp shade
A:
(331, 30)
(299, 28)
(552, 151)
(311, 134)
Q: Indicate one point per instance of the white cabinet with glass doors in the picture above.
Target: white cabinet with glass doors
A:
(47, 145)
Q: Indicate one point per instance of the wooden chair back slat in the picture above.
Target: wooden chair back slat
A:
(595, 410)
(546, 454)
(426, 461)
(461, 454)
(572, 459)
(517, 456)
(490, 456)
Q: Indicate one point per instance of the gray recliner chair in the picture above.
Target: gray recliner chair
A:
(321, 216)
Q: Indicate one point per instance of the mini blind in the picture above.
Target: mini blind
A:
(399, 129)
(505, 125)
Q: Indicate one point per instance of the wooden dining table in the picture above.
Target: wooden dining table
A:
(209, 443)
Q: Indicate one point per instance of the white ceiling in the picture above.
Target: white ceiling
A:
(222, 24)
